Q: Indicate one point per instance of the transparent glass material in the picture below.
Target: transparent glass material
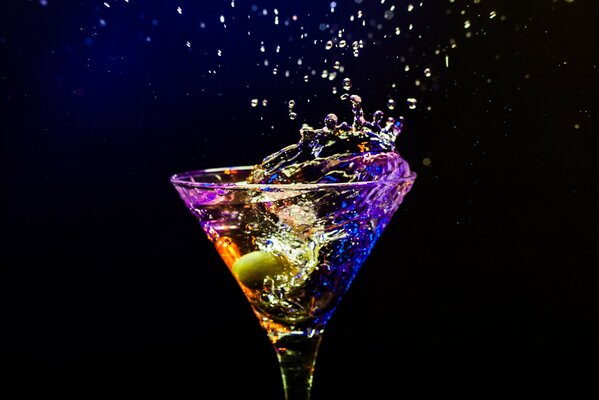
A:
(294, 249)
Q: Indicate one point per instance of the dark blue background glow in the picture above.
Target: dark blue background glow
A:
(491, 260)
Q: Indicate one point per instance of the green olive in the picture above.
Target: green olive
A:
(254, 267)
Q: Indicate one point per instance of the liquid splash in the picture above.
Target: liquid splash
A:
(339, 152)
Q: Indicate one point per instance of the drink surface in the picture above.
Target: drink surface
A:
(295, 253)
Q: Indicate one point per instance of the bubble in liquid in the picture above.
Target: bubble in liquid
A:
(254, 103)
(329, 45)
(291, 103)
(391, 104)
(342, 43)
(292, 115)
(412, 102)
(344, 96)
(264, 103)
(389, 15)
(346, 83)
(306, 78)
(427, 72)
(337, 65)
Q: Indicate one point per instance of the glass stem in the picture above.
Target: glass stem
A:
(297, 357)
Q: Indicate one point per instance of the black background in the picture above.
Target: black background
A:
(490, 263)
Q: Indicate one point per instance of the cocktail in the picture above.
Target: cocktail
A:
(295, 245)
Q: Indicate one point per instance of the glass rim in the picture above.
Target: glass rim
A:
(180, 179)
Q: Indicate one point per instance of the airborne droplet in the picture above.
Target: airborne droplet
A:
(378, 116)
(330, 121)
(346, 84)
(412, 102)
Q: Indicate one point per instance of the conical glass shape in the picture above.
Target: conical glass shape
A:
(293, 248)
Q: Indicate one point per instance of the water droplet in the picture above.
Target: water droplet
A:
(378, 116)
(254, 103)
(355, 99)
(346, 84)
(391, 104)
(329, 45)
(427, 72)
(330, 121)
(412, 102)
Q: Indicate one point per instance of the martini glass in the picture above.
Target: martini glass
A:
(294, 249)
